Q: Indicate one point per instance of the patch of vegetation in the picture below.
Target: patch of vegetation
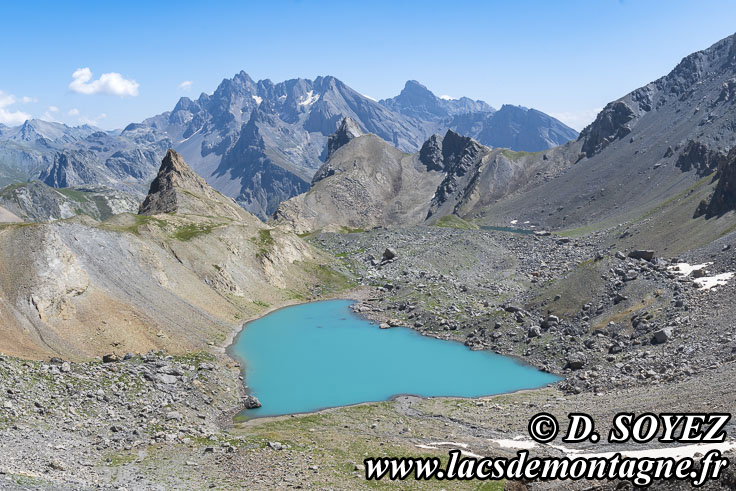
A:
(510, 154)
(261, 303)
(190, 231)
(454, 221)
(117, 459)
(264, 241)
(195, 358)
(331, 280)
(349, 230)
(138, 221)
(103, 207)
(74, 194)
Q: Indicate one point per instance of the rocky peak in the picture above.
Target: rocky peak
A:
(431, 153)
(612, 123)
(347, 130)
(414, 90)
(457, 149)
(178, 189)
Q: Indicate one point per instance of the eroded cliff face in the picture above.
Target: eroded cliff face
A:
(723, 199)
(178, 279)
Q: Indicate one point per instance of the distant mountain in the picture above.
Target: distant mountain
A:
(36, 202)
(417, 101)
(258, 142)
(513, 127)
(63, 156)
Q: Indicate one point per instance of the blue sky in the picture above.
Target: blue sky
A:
(567, 58)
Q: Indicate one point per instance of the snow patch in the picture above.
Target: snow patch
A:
(684, 269)
(515, 443)
(709, 282)
(257, 99)
(514, 222)
(310, 99)
(187, 138)
(705, 282)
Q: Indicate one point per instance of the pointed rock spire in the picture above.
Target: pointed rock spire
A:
(347, 130)
(178, 189)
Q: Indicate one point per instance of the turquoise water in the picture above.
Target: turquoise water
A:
(317, 355)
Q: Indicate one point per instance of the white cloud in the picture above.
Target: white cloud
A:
(49, 116)
(8, 116)
(73, 112)
(109, 83)
(186, 85)
(447, 97)
(92, 121)
(25, 99)
(577, 119)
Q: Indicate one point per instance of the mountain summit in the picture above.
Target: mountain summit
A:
(178, 189)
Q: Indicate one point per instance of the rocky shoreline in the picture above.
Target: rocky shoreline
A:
(157, 421)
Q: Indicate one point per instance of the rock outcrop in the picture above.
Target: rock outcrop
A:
(724, 195)
(700, 157)
(611, 124)
(178, 189)
(348, 130)
(368, 183)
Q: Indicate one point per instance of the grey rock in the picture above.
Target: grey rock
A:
(662, 336)
(251, 402)
(641, 254)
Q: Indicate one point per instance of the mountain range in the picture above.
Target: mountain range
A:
(259, 142)
(662, 146)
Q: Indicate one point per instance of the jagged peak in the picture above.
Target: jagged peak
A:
(178, 189)
(346, 131)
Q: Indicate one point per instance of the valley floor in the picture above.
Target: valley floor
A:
(627, 335)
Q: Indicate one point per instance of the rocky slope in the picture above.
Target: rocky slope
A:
(36, 202)
(642, 150)
(366, 183)
(723, 199)
(175, 279)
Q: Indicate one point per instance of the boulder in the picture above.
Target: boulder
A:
(576, 361)
(662, 336)
(642, 254)
(389, 253)
(251, 402)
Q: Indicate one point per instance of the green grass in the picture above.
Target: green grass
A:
(264, 241)
(510, 154)
(138, 221)
(74, 195)
(349, 230)
(454, 221)
(190, 231)
(102, 207)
